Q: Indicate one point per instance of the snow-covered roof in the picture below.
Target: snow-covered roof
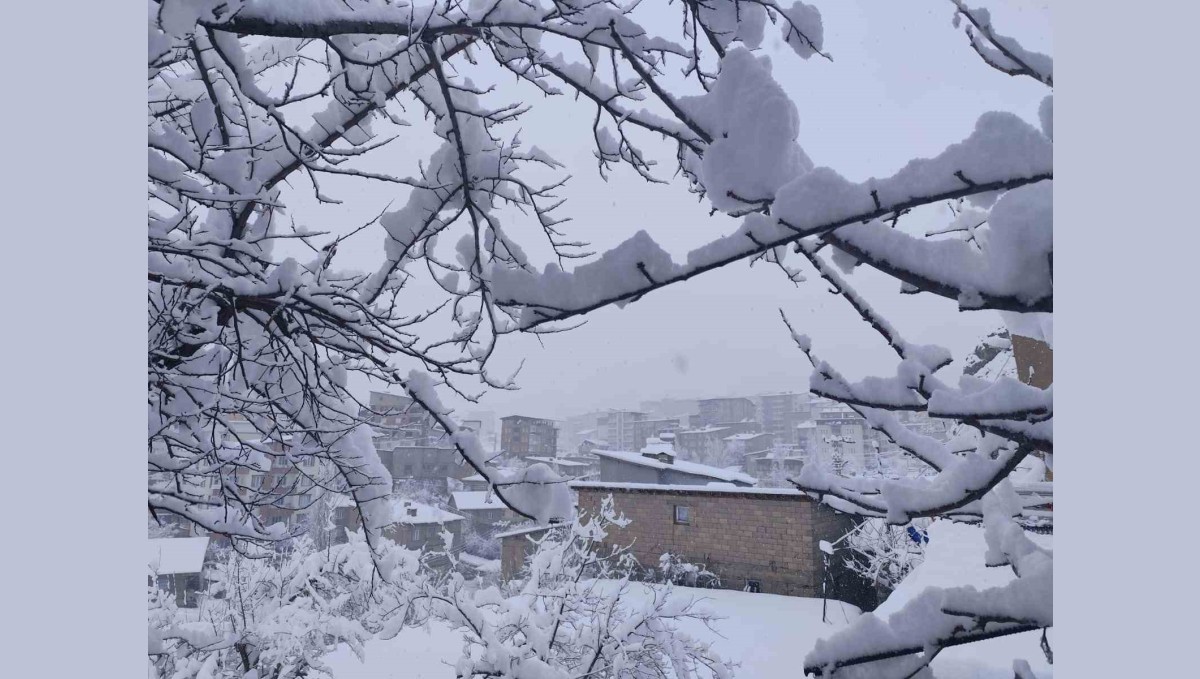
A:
(425, 513)
(683, 466)
(807, 425)
(656, 446)
(710, 488)
(479, 563)
(524, 530)
(400, 511)
(558, 461)
(475, 478)
(474, 500)
(706, 429)
(745, 437)
(168, 556)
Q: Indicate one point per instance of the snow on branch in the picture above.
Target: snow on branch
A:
(1003, 153)
(1002, 52)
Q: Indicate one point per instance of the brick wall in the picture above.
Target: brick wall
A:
(768, 538)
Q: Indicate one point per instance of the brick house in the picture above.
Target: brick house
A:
(758, 539)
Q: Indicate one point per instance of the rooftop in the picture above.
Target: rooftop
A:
(682, 466)
(168, 556)
(715, 488)
(401, 507)
(475, 500)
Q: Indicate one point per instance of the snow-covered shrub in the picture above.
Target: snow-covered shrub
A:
(674, 570)
(277, 614)
(883, 554)
(576, 614)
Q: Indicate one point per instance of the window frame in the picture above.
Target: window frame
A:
(687, 515)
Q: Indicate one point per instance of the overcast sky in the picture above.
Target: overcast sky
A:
(903, 84)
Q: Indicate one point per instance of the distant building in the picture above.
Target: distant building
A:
(644, 430)
(566, 467)
(413, 525)
(841, 434)
(772, 468)
(708, 442)
(721, 411)
(658, 465)
(522, 436)
(780, 414)
(423, 463)
(178, 566)
(482, 509)
(588, 445)
(619, 428)
(738, 445)
(400, 421)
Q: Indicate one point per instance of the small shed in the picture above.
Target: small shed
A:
(177, 565)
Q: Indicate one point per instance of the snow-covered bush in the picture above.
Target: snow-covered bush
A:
(484, 546)
(274, 616)
(674, 570)
(883, 554)
(577, 614)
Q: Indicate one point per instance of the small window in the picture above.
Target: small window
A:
(683, 514)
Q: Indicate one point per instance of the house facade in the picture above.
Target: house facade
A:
(178, 566)
(762, 540)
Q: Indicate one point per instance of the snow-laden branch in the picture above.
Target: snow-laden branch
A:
(1003, 153)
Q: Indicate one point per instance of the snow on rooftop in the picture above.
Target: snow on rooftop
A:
(706, 429)
(744, 437)
(558, 461)
(710, 488)
(401, 511)
(479, 563)
(524, 530)
(474, 500)
(683, 466)
(168, 556)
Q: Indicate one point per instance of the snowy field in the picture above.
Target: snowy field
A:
(767, 634)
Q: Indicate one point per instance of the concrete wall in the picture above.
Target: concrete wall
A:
(767, 538)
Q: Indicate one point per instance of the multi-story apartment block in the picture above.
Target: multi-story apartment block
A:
(781, 413)
(718, 411)
(522, 436)
(399, 421)
(618, 428)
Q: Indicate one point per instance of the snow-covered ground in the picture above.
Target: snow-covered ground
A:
(767, 634)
